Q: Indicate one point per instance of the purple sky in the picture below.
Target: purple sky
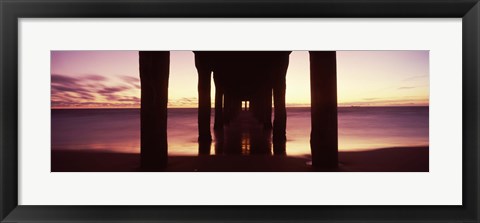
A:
(82, 79)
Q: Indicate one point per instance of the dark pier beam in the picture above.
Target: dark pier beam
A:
(279, 88)
(204, 69)
(280, 118)
(154, 73)
(323, 87)
(218, 109)
(268, 103)
(204, 147)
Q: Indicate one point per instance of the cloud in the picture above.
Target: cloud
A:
(86, 96)
(65, 88)
(62, 104)
(133, 81)
(405, 88)
(89, 90)
(111, 90)
(183, 102)
(94, 77)
(130, 99)
(415, 77)
(130, 79)
(121, 98)
(389, 102)
(69, 88)
(62, 79)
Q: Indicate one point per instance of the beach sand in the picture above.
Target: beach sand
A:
(399, 159)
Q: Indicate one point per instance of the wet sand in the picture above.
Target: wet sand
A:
(399, 159)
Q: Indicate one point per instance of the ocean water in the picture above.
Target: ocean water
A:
(118, 130)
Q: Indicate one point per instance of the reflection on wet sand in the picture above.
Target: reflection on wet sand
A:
(243, 136)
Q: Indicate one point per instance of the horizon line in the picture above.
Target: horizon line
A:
(354, 106)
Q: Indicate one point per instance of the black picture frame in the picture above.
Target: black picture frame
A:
(12, 10)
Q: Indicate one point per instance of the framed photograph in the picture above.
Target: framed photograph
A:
(270, 111)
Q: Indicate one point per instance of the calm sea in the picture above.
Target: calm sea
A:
(118, 130)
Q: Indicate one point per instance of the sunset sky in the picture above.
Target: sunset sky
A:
(110, 79)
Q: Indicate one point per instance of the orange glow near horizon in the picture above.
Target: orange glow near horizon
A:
(110, 79)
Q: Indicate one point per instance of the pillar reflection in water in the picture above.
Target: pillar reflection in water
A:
(243, 136)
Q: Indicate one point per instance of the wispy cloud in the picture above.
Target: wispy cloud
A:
(94, 77)
(415, 77)
(62, 79)
(408, 101)
(370, 99)
(90, 90)
(98, 91)
(133, 81)
(112, 90)
(183, 102)
(405, 88)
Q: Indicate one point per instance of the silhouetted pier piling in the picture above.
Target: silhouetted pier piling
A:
(253, 77)
(323, 88)
(154, 73)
